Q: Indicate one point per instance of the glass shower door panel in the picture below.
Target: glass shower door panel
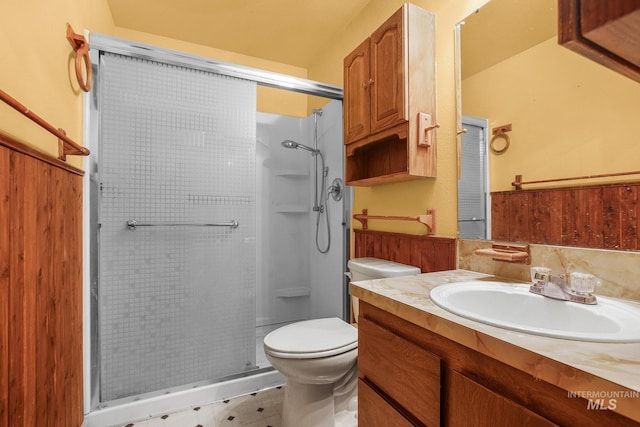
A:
(177, 298)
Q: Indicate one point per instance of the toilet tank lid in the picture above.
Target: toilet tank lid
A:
(381, 267)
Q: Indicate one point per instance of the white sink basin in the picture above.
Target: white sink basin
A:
(512, 306)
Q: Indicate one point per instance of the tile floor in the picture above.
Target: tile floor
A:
(263, 409)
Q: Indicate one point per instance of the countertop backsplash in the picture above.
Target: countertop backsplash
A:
(619, 271)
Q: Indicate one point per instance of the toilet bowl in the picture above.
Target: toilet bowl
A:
(317, 359)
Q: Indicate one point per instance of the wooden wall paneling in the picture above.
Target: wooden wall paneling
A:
(545, 227)
(430, 253)
(445, 254)
(519, 223)
(73, 343)
(427, 260)
(629, 230)
(596, 216)
(500, 217)
(41, 284)
(568, 218)
(4, 286)
(415, 257)
(22, 349)
(594, 209)
(40, 238)
(404, 247)
(611, 217)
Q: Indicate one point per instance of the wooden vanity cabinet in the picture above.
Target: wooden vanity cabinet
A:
(409, 375)
(607, 32)
(389, 80)
(483, 406)
(403, 374)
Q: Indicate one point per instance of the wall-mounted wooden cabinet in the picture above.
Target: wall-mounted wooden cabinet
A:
(390, 101)
(607, 32)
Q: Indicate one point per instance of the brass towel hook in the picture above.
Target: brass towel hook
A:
(81, 47)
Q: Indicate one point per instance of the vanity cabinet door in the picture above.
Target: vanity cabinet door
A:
(374, 411)
(402, 372)
(478, 406)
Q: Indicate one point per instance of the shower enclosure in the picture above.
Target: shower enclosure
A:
(201, 229)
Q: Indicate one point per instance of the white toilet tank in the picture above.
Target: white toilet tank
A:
(374, 268)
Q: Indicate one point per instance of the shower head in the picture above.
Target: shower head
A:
(292, 144)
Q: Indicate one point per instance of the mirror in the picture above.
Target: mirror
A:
(569, 116)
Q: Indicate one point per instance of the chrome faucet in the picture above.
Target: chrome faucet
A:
(555, 286)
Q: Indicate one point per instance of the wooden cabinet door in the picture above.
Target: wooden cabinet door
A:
(404, 372)
(478, 406)
(387, 74)
(356, 94)
(374, 411)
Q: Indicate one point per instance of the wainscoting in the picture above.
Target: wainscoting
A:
(430, 253)
(594, 216)
(40, 288)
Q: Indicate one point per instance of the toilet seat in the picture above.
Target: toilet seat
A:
(311, 339)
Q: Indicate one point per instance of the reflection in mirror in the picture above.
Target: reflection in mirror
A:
(570, 116)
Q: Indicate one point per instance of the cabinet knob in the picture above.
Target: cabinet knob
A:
(366, 84)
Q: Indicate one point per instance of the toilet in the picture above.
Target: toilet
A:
(318, 358)
(374, 268)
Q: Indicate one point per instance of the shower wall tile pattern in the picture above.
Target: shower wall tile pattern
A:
(177, 303)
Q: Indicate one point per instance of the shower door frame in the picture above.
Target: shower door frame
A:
(103, 43)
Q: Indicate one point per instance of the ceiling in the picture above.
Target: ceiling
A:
(287, 31)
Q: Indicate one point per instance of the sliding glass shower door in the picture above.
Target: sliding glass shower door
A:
(176, 276)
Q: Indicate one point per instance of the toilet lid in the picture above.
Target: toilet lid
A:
(312, 338)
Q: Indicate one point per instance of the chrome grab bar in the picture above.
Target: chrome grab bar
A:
(132, 224)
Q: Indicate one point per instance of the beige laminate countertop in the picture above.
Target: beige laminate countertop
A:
(593, 370)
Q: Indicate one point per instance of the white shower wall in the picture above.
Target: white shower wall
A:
(294, 280)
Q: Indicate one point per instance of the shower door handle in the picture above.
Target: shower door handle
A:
(132, 224)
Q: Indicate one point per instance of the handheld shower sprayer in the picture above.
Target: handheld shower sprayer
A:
(293, 145)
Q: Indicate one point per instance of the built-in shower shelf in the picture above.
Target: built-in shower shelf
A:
(292, 292)
(292, 209)
(293, 173)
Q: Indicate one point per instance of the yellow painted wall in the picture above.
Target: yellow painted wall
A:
(37, 70)
(570, 115)
(37, 67)
(413, 197)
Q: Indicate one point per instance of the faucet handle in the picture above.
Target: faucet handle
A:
(583, 283)
(540, 275)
